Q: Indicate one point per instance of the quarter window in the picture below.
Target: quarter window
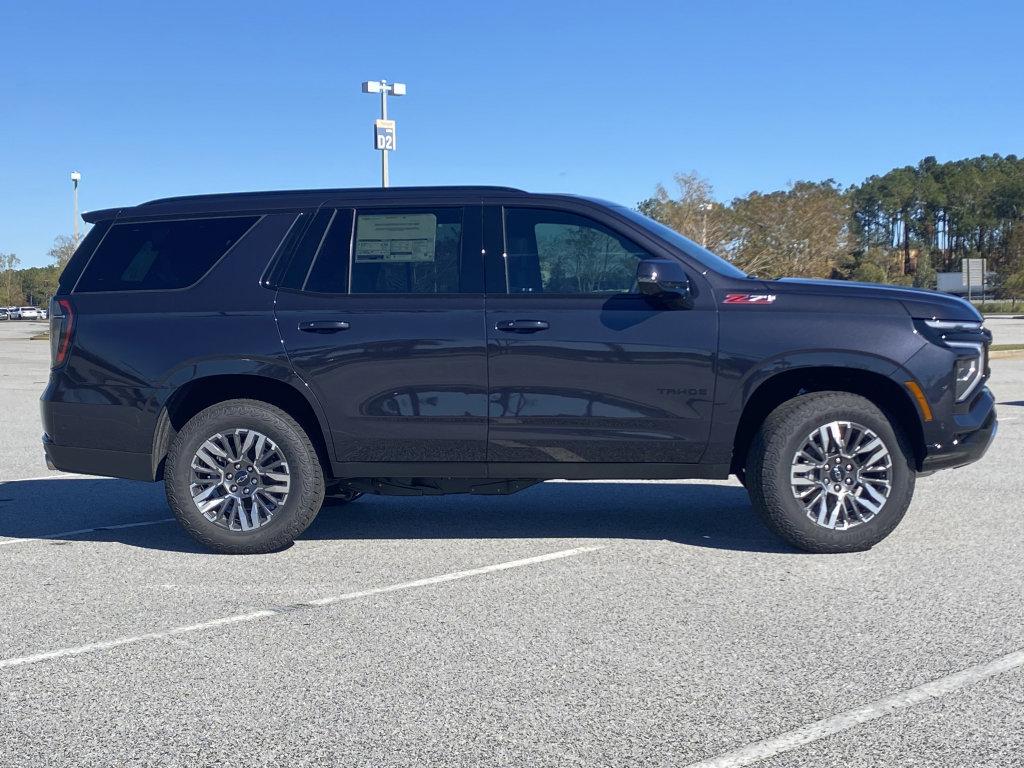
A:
(161, 255)
(559, 252)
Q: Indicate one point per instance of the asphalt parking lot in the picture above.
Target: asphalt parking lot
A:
(592, 624)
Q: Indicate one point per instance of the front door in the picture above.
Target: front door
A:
(381, 311)
(582, 368)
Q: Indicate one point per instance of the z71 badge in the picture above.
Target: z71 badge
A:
(749, 298)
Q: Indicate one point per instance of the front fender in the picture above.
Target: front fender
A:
(738, 385)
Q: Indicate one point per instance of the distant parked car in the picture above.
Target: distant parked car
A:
(27, 313)
(5, 314)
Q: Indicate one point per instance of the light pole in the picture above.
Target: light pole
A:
(384, 138)
(705, 207)
(75, 178)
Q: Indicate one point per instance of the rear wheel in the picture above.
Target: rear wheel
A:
(242, 477)
(828, 472)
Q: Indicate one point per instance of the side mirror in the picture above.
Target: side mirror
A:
(666, 281)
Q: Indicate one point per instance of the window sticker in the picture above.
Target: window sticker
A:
(400, 237)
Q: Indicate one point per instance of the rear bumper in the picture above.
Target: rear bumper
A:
(104, 431)
(97, 461)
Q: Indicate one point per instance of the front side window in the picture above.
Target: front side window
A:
(558, 252)
(161, 255)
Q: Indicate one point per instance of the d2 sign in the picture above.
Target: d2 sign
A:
(384, 135)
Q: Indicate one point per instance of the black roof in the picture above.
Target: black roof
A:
(292, 198)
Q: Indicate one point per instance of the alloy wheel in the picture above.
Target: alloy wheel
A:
(842, 475)
(239, 479)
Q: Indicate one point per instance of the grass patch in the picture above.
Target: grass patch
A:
(1006, 347)
(44, 336)
(1000, 307)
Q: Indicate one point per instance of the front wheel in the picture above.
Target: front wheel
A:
(242, 477)
(829, 472)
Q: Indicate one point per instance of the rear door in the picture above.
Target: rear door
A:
(381, 311)
(582, 368)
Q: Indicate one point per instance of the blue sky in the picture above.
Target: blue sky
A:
(597, 98)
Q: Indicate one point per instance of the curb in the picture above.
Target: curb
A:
(1006, 354)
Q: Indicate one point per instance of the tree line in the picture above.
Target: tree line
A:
(900, 227)
(33, 286)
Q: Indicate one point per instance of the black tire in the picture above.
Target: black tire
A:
(305, 495)
(769, 465)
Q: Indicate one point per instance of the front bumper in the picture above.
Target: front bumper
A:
(966, 447)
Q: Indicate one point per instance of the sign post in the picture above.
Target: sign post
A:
(973, 275)
(384, 138)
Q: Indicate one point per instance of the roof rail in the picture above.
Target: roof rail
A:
(368, 191)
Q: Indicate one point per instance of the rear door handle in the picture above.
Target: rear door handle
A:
(521, 326)
(323, 326)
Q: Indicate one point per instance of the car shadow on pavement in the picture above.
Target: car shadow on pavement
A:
(698, 514)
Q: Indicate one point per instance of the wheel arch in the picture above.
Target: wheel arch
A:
(193, 396)
(889, 395)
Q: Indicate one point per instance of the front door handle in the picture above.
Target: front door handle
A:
(521, 326)
(323, 326)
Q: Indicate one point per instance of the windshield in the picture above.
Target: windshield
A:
(686, 245)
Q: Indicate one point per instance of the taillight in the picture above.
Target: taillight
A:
(62, 325)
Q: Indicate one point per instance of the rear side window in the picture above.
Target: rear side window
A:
(161, 255)
(413, 250)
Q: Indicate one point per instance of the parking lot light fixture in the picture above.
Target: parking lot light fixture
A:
(384, 129)
(75, 178)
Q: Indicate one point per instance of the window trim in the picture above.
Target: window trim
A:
(259, 217)
(278, 263)
(316, 255)
(561, 295)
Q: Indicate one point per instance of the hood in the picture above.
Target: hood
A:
(918, 302)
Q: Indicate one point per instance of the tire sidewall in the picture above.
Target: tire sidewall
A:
(305, 493)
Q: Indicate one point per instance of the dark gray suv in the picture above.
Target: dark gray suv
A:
(259, 351)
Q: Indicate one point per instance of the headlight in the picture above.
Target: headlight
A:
(953, 325)
(968, 370)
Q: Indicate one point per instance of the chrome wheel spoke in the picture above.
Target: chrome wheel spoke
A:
(836, 433)
(202, 494)
(240, 478)
(204, 456)
(835, 513)
(211, 504)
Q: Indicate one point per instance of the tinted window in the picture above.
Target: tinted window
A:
(330, 270)
(558, 252)
(298, 267)
(685, 244)
(160, 255)
(412, 250)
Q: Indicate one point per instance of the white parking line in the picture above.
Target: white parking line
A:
(103, 645)
(829, 726)
(81, 531)
(61, 476)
